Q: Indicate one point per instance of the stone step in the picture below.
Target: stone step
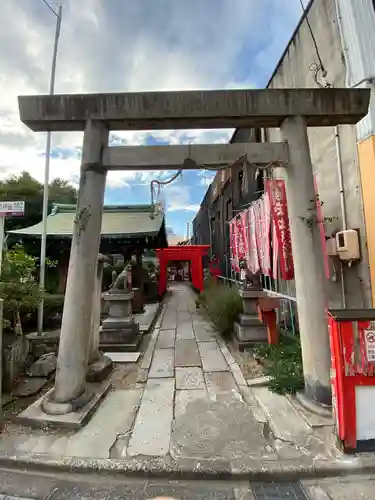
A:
(250, 320)
(250, 334)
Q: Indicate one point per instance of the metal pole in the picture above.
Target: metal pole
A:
(2, 235)
(1, 360)
(42, 277)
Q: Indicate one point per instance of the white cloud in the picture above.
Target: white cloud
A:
(124, 45)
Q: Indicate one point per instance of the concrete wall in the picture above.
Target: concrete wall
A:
(294, 71)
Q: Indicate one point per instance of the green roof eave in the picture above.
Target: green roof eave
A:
(118, 222)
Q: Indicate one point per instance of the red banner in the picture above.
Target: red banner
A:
(279, 210)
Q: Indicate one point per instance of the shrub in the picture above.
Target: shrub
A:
(52, 313)
(18, 287)
(223, 305)
(53, 306)
(283, 364)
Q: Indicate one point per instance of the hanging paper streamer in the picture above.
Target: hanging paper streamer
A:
(279, 210)
(254, 257)
(267, 235)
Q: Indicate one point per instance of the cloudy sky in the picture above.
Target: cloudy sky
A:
(133, 45)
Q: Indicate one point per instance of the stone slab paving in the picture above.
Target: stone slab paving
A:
(220, 382)
(185, 331)
(184, 398)
(285, 421)
(189, 378)
(162, 365)
(212, 358)
(146, 319)
(166, 339)
(187, 353)
(202, 334)
(152, 430)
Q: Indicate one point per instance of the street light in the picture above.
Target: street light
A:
(42, 276)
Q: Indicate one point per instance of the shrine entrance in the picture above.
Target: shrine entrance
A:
(291, 110)
(191, 253)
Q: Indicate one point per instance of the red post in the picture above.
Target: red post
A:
(352, 370)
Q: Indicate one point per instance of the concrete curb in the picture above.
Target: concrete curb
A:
(252, 470)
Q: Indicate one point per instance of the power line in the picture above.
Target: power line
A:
(314, 39)
(315, 67)
(50, 8)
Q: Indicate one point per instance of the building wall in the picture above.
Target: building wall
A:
(357, 27)
(210, 226)
(295, 71)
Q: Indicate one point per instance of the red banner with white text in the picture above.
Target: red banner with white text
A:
(279, 211)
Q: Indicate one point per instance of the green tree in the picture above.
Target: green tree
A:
(18, 287)
(25, 188)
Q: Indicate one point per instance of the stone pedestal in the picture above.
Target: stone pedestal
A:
(119, 331)
(250, 329)
(138, 305)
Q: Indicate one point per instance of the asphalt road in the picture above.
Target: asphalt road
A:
(31, 485)
(27, 484)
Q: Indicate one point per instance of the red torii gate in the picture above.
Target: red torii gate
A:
(191, 253)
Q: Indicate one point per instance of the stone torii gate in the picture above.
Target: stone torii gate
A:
(293, 110)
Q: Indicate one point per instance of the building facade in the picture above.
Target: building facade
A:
(231, 190)
(332, 46)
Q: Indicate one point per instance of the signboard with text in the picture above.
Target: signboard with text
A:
(370, 345)
(12, 208)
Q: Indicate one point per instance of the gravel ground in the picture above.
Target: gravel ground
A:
(249, 366)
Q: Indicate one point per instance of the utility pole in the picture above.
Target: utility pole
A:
(42, 276)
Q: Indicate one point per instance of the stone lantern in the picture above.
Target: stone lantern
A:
(250, 329)
(119, 331)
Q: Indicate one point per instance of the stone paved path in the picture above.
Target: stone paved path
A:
(192, 405)
(190, 410)
(188, 402)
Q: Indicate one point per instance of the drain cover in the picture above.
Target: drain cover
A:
(278, 491)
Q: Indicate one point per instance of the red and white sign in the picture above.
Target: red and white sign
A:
(279, 210)
(370, 345)
(12, 208)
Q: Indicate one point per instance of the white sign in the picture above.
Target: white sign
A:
(370, 345)
(12, 208)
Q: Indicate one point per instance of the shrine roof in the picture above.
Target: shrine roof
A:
(118, 222)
